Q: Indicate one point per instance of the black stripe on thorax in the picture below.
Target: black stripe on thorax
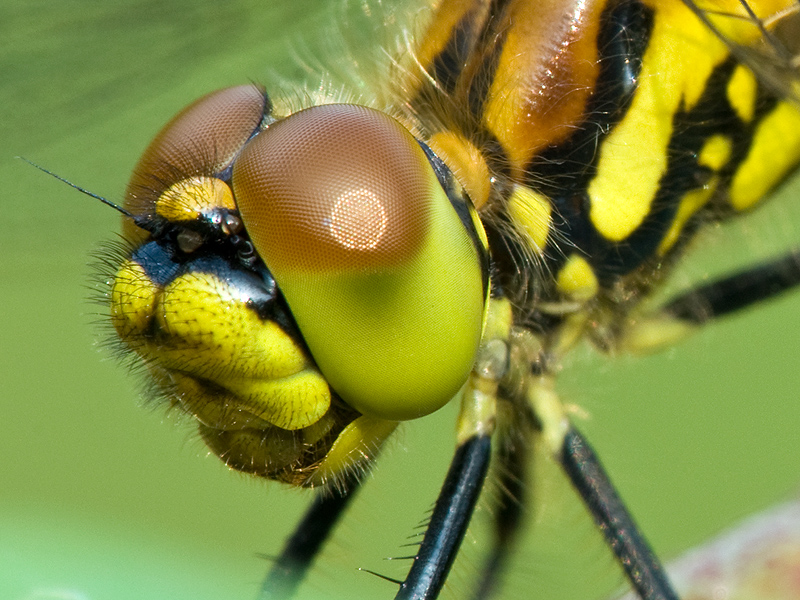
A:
(468, 39)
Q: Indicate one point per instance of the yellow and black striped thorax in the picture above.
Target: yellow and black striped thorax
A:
(610, 130)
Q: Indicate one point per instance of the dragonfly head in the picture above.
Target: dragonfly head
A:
(287, 276)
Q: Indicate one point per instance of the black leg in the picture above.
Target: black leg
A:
(512, 461)
(628, 544)
(294, 561)
(449, 521)
(737, 291)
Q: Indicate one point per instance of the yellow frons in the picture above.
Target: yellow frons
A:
(188, 199)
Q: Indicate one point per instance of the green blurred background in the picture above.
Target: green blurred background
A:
(101, 498)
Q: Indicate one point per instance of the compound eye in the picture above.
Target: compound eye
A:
(200, 140)
(381, 275)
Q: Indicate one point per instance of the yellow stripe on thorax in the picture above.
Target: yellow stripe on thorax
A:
(774, 151)
(679, 59)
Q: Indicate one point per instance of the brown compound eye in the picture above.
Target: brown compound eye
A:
(202, 139)
(382, 277)
(335, 187)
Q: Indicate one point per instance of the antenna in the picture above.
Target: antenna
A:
(116, 207)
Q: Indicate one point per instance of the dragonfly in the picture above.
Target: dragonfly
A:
(300, 275)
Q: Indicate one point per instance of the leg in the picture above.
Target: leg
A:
(512, 461)
(584, 470)
(682, 315)
(737, 291)
(302, 547)
(633, 553)
(449, 521)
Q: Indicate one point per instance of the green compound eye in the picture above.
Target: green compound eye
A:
(381, 275)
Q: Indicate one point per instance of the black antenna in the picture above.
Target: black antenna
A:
(116, 207)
